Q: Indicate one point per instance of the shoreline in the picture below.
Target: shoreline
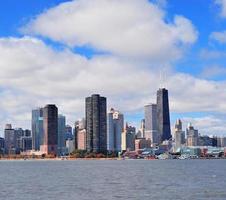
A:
(95, 159)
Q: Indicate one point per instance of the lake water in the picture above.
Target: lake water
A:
(103, 180)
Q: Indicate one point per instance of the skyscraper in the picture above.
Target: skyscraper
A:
(50, 121)
(37, 128)
(10, 140)
(192, 135)
(61, 134)
(114, 130)
(163, 115)
(151, 128)
(80, 134)
(96, 123)
(128, 138)
(179, 135)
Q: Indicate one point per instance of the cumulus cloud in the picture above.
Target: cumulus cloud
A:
(220, 37)
(208, 125)
(222, 4)
(213, 71)
(134, 28)
(139, 41)
(33, 74)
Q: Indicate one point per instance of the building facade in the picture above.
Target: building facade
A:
(61, 134)
(10, 139)
(179, 136)
(114, 130)
(192, 136)
(163, 115)
(142, 143)
(128, 138)
(96, 123)
(37, 128)
(80, 134)
(151, 125)
(50, 121)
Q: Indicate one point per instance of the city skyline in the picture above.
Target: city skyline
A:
(42, 64)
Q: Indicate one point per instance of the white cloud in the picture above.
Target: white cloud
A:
(213, 71)
(222, 4)
(135, 28)
(206, 54)
(219, 36)
(33, 74)
(208, 125)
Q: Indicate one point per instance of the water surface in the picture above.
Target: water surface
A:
(110, 180)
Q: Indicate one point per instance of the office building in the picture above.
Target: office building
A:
(128, 138)
(114, 130)
(50, 122)
(151, 125)
(70, 146)
(192, 136)
(37, 128)
(80, 134)
(179, 136)
(2, 145)
(68, 132)
(96, 123)
(142, 143)
(10, 140)
(141, 131)
(163, 115)
(25, 143)
(61, 134)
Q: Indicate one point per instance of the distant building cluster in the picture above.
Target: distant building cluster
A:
(106, 132)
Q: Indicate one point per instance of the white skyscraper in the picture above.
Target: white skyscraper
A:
(150, 112)
(114, 130)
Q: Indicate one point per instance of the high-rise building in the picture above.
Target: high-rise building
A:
(18, 134)
(96, 123)
(37, 128)
(81, 139)
(114, 130)
(128, 138)
(2, 145)
(141, 130)
(70, 146)
(61, 134)
(192, 136)
(25, 143)
(68, 132)
(163, 115)
(179, 135)
(50, 121)
(151, 125)
(10, 140)
(80, 134)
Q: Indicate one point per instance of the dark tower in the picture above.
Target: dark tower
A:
(163, 116)
(50, 122)
(96, 123)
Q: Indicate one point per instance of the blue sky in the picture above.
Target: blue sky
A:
(50, 35)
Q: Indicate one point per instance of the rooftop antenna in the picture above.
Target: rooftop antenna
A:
(163, 77)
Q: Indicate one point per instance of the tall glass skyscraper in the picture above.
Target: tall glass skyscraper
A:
(96, 123)
(163, 115)
(37, 128)
(115, 128)
(61, 134)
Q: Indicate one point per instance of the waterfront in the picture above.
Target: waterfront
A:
(106, 179)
